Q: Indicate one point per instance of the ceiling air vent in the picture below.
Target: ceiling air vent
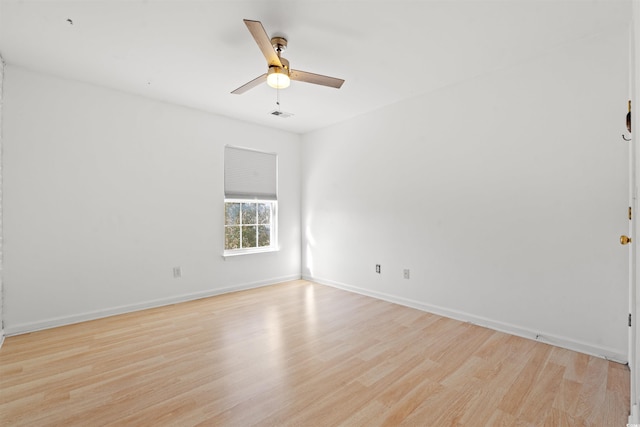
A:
(281, 114)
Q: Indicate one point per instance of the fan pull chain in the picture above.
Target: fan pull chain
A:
(278, 98)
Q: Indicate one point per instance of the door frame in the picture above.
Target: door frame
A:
(634, 161)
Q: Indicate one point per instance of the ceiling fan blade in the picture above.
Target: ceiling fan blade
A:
(264, 42)
(317, 79)
(253, 83)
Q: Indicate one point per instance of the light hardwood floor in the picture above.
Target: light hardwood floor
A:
(300, 354)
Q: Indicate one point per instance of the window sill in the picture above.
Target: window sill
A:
(229, 254)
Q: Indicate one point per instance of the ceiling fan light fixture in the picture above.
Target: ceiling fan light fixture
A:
(278, 78)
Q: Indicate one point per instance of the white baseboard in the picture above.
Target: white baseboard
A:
(1, 337)
(24, 328)
(564, 342)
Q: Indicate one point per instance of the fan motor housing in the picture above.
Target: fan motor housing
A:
(279, 43)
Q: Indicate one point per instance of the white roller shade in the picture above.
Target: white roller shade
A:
(250, 174)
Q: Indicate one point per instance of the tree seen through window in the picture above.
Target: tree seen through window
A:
(248, 224)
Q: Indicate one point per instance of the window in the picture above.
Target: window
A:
(247, 224)
(250, 204)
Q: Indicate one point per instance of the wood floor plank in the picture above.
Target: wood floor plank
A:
(520, 389)
(299, 354)
(370, 415)
(618, 379)
(592, 396)
(539, 400)
(566, 398)
(559, 418)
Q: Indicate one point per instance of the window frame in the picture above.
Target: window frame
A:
(273, 228)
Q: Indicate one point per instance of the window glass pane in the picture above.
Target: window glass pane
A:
(264, 213)
(264, 235)
(232, 237)
(231, 213)
(249, 234)
(249, 214)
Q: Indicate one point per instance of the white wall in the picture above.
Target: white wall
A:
(106, 192)
(504, 196)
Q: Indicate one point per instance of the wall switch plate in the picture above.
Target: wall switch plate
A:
(177, 272)
(378, 268)
(406, 273)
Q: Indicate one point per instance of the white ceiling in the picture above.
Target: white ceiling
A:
(194, 53)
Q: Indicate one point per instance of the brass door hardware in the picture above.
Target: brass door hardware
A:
(624, 240)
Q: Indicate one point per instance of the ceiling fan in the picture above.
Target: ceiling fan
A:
(279, 74)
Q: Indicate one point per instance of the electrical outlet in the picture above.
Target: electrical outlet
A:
(378, 268)
(406, 273)
(177, 272)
